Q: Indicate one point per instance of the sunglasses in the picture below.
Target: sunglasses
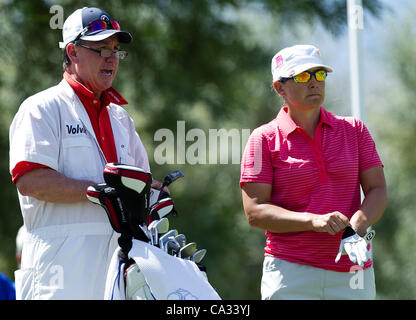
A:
(104, 52)
(98, 25)
(320, 75)
(103, 25)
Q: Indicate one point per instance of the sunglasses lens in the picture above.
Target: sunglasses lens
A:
(302, 77)
(115, 25)
(320, 75)
(121, 55)
(98, 25)
(106, 53)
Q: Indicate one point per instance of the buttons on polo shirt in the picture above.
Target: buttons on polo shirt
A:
(95, 101)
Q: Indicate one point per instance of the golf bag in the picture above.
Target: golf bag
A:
(134, 271)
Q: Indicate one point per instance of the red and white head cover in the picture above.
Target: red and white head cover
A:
(161, 209)
(133, 187)
(108, 198)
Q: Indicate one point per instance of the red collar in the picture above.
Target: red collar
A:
(287, 125)
(86, 96)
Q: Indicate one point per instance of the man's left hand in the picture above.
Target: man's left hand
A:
(158, 185)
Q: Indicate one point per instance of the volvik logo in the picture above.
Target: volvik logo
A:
(105, 18)
(72, 129)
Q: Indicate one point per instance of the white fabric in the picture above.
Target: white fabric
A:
(20, 237)
(293, 60)
(136, 285)
(168, 277)
(171, 278)
(72, 28)
(64, 262)
(284, 280)
(53, 128)
(114, 285)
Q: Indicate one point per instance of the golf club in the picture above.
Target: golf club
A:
(198, 255)
(158, 227)
(181, 239)
(164, 239)
(172, 247)
(187, 251)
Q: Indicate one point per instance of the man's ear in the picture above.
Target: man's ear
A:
(278, 86)
(71, 52)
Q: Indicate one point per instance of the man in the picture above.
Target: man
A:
(60, 141)
(300, 178)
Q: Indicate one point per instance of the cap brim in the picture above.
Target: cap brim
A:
(123, 36)
(307, 66)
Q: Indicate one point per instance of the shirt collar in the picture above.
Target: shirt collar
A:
(287, 125)
(326, 117)
(110, 95)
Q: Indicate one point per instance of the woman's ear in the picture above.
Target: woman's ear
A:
(278, 86)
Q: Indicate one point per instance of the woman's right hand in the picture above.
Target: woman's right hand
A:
(332, 222)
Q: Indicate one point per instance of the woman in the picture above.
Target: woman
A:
(300, 178)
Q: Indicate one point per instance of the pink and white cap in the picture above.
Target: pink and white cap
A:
(293, 60)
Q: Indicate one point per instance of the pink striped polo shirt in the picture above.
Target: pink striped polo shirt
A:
(319, 175)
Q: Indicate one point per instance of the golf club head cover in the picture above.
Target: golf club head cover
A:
(161, 209)
(175, 175)
(156, 195)
(133, 187)
(108, 198)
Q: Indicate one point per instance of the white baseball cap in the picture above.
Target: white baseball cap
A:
(291, 61)
(80, 19)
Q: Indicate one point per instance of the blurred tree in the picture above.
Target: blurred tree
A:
(199, 61)
(394, 107)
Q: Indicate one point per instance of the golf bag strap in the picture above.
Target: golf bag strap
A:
(125, 243)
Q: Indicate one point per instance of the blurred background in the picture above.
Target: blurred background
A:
(207, 63)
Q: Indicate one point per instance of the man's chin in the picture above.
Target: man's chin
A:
(105, 84)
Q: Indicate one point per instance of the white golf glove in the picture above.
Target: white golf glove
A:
(355, 246)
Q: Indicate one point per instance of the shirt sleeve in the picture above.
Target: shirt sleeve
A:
(256, 164)
(368, 155)
(33, 135)
(22, 167)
